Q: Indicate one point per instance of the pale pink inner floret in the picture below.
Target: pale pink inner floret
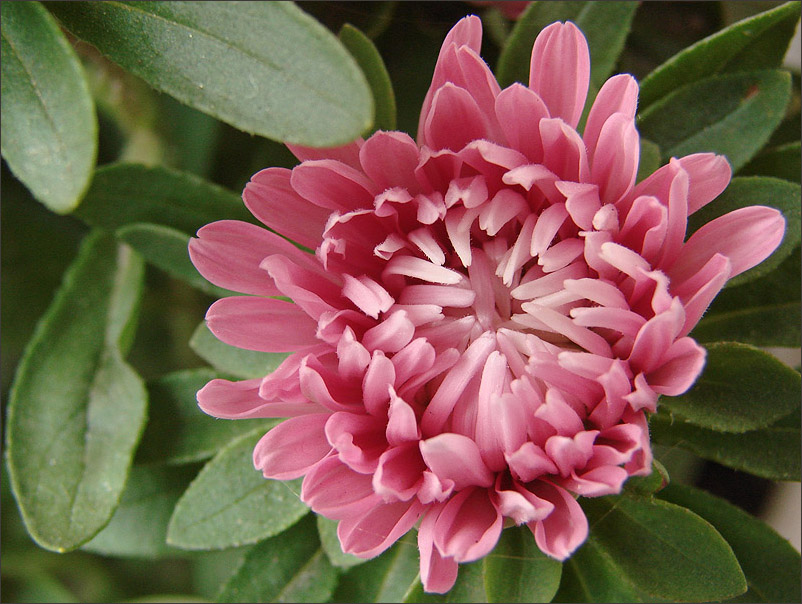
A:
(489, 313)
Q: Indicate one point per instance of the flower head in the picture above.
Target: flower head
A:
(490, 311)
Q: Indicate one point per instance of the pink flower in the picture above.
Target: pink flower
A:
(490, 312)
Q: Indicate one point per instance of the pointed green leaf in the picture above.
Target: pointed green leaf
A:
(123, 194)
(517, 571)
(231, 360)
(49, 128)
(383, 579)
(266, 68)
(758, 190)
(731, 114)
(231, 504)
(605, 25)
(741, 388)
(759, 42)
(771, 452)
(469, 587)
(139, 525)
(762, 312)
(76, 409)
(770, 563)
(290, 567)
(370, 61)
(327, 531)
(665, 550)
(178, 432)
(591, 575)
(782, 161)
(646, 485)
(166, 248)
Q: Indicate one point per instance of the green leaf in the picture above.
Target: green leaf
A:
(370, 61)
(650, 159)
(782, 161)
(469, 587)
(76, 409)
(139, 525)
(49, 128)
(230, 504)
(290, 567)
(327, 530)
(383, 579)
(591, 575)
(229, 359)
(741, 388)
(770, 563)
(517, 571)
(605, 25)
(756, 43)
(758, 190)
(178, 432)
(266, 68)
(771, 452)
(123, 194)
(665, 550)
(762, 312)
(166, 248)
(730, 114)
(646, 485)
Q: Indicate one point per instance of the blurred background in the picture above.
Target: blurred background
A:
(137, 124)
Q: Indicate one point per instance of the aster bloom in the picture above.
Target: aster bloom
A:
(490, 313)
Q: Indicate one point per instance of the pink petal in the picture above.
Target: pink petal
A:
(698, 292)
(680, 367)
(604, 480)
(709, 176)
(311, 290)
(402, 425)
(263, 324)
(655, 338)
(379, 378)
(437, 572)
(456, 457)
(454, 120)
(241, 400)
(468, 527)
(270, 197)
(746, 236)
(454, 384)
(529, 462)
(564, 151)
(519, 111)
(391, 334)
(582, 202)
(358, 439)
(290, 449)
(333, 185)
(370, 297)
(347, 154)
(522, 505)
(560, 70)
(562, 531)
(228, 254)
(615, 163)
(400, 473)
(369, 535)
(571, 453)
(334, 490)
(619, 94)
(389, 159)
